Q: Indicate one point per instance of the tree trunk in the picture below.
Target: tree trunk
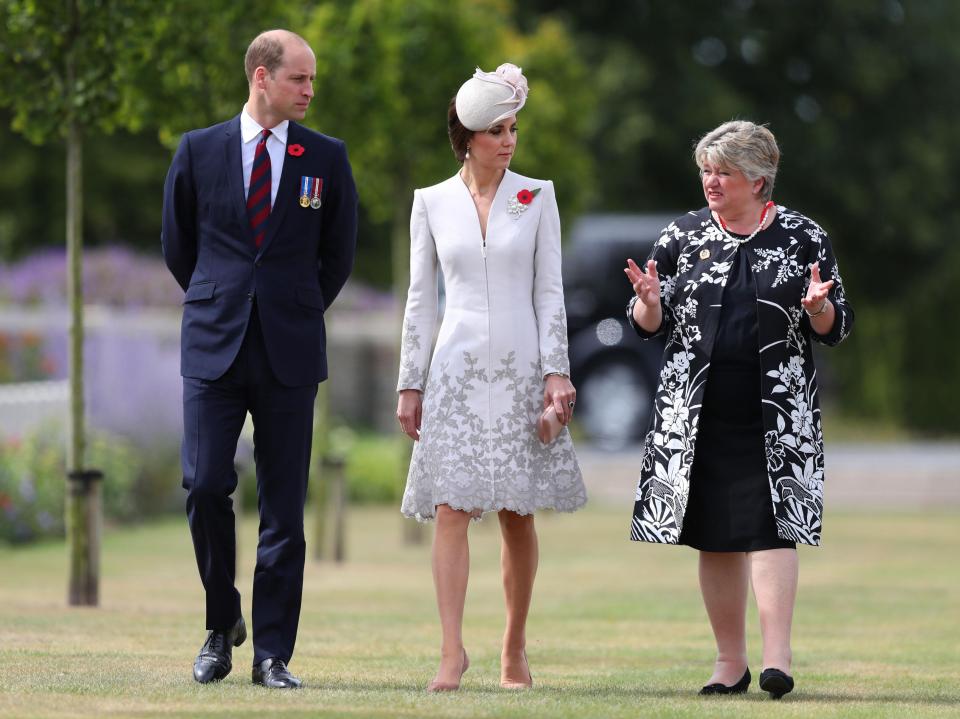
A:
(400, 255)
(83, 494)
(335, 468)
(321, 478)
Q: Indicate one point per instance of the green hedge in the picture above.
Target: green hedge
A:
(375, 468)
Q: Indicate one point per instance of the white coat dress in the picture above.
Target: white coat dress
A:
(504, 328)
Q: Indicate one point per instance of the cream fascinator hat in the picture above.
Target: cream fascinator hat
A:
(488, 97)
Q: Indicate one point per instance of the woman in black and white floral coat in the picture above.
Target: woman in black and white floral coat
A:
(733, 461)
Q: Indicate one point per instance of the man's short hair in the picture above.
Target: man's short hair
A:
(267, 50)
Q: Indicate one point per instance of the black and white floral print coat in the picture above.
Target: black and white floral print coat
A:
(693, 259)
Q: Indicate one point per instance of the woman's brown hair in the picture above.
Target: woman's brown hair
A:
(459, 135)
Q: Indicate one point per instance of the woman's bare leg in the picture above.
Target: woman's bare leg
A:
(774, 575)
(519, 557)
(451, 568)
(724, 578)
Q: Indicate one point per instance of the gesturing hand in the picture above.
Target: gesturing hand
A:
(817, 292)
(645, 284)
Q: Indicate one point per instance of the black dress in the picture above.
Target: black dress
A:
(729, 508)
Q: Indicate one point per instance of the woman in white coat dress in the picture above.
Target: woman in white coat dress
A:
(500, 360)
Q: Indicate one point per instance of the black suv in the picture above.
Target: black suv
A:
(615, 372)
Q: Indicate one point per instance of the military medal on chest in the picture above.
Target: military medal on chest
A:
(305, 191)
(310, 190)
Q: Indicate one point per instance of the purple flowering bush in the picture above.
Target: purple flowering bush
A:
(114, 276)
(118, 277)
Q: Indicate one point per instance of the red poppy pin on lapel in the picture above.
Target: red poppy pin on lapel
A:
(519, 204)
(295, 150)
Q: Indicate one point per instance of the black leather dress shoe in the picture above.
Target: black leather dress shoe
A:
(739, 688)
(215, 661)
(776, 682)
(273, 673)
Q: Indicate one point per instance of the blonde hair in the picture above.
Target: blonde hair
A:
(744, 146)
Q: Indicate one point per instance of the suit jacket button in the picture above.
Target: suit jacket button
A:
(250, 296)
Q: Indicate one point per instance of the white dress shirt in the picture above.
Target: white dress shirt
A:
(276, 145)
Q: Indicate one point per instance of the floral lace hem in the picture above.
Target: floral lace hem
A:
(477, 513)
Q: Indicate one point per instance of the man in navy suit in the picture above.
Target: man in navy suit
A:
(259, 228)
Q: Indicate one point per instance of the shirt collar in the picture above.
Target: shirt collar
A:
(250, 128)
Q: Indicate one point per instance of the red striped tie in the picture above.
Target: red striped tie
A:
(258, 197)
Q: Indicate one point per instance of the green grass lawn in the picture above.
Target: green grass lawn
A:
(617, 628)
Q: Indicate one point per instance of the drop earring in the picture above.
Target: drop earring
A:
(467, 156)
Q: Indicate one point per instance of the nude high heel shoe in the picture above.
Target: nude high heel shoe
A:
(436, 686)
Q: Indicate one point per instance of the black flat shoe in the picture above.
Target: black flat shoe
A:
(273, 673)
(776, 682)
(215, 661)
(739, 688)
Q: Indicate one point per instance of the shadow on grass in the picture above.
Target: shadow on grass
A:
(621, 692)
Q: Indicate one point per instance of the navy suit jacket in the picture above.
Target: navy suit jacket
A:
(295, 275)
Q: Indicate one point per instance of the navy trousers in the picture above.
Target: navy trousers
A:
(213, 416)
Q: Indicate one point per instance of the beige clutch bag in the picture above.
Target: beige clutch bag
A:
(549, 425)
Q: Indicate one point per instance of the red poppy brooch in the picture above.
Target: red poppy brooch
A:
(295, 150)
(518, 205)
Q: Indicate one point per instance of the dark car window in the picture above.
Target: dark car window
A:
(614, 370)
(599, 246)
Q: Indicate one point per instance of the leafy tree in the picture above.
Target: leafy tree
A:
(860, 93)
(59, 60)
(75, 66)
(861, 96)
(167, 66)
(386, 71)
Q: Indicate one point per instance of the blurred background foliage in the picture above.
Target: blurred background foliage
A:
(861, 94)
(139, 479)
(31, 482)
